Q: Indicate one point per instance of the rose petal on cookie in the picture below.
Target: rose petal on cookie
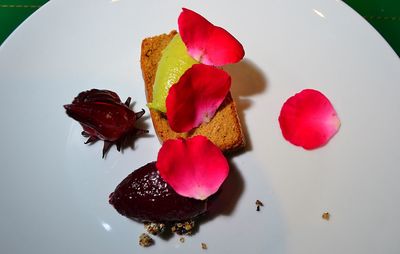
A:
(193, 167)
(208, 44)
(308, 119)
(196, 97)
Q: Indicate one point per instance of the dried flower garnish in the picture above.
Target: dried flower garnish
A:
(103, 116)
(308, 119)
(196, 97)
(326, 216)
(204, 246)
(145, 240)
(182, 239)
(209, 44)
(193, 167)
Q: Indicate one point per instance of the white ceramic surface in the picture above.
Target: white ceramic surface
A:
(54, 189)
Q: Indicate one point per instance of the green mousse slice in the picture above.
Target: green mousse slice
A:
(173, 63)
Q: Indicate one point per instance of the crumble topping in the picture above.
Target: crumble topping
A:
(183, 228)
(154, 228)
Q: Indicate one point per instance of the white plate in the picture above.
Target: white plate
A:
(54, 189)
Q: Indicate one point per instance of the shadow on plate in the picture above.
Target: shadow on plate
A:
(225, 200)
(247, 80)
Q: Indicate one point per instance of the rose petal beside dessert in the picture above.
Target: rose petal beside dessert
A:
(308, 119)
(194, 167)
(207, 43)
(196, 97)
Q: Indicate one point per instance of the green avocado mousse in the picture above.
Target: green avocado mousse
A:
(173, 63)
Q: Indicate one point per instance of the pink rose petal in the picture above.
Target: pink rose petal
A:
(196, 97)
(208, 44)
(308, 119)
(193, 167)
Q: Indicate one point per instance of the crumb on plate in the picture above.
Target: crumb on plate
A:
(259, 204)
(145, 240)
(326, 216)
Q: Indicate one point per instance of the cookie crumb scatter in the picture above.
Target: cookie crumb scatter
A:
(183, 228)
(145, 240)
(259, 204)
(204, 246)
(326, 216)
(154, 228)
(182, 239)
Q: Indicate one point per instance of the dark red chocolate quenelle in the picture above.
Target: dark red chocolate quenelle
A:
(145, 196)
